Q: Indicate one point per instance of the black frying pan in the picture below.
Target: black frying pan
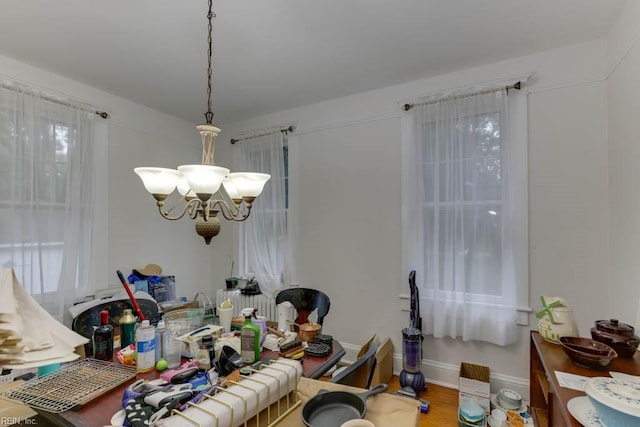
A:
(332, 408)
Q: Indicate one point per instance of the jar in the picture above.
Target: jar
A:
(619, 336)
(556, 320)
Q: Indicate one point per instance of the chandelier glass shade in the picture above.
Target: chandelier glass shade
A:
(205, 189)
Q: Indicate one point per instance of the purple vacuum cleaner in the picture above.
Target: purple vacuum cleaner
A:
(411, 378)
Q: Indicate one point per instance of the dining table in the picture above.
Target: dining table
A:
(100, 411)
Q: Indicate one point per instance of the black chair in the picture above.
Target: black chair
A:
(305, 300)
(360, 372)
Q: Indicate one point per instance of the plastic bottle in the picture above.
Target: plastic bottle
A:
(103, 338)
(145, 347)
(127, 328)
(162, 337)
(249, 338)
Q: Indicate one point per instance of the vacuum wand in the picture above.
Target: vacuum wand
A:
(131, 297)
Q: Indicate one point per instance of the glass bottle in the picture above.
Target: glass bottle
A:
(103, 338)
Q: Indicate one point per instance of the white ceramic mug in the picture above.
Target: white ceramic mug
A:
(498, 418)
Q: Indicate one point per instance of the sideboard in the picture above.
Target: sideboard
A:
(548, 398)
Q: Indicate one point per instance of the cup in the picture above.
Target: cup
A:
(225, 315)
(498, 418)
(173, 353)
(127, 356)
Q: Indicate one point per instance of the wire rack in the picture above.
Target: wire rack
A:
(74, 385)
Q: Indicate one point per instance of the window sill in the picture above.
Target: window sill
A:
(523, 312)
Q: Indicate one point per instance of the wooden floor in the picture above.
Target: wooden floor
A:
(443, 404)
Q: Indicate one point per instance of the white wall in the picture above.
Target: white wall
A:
(624, 157)
(346, 163)
(133, 232)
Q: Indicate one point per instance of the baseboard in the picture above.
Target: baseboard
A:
(446, 374)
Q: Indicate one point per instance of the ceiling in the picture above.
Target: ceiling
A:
(272, 55)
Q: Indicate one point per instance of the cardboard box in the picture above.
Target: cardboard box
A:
(384, 363)
(474, 383)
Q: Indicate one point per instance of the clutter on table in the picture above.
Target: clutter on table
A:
(151, 280)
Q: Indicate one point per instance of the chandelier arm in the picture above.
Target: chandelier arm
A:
(232, 206)
(194, 209)
(190, 206)
(229, 214)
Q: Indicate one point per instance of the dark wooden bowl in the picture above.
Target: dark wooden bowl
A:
(588, 352)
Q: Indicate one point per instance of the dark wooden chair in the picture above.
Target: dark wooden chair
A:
(360, 372)
(305, 301)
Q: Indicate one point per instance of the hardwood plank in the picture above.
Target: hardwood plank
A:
(443, 404)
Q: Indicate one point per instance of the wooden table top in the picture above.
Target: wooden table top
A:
(99, 412)
(555, 359)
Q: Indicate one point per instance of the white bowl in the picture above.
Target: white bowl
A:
(357, 423)
(616, 401)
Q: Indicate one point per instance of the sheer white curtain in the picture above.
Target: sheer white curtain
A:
(46, 195)
(465, 205)
(264, 240)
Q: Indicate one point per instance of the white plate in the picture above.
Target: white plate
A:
(496, 404)
(510, 395)
(583, 411)
(330, 371)
(118, 418)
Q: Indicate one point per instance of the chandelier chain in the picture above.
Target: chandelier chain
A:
(210, 15)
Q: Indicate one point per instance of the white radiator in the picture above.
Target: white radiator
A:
(266, 305)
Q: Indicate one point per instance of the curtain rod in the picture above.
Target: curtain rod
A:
(516, 86)
(284, 130)
(85, 107)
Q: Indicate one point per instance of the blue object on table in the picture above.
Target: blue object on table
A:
(48, 369)
(200, 379)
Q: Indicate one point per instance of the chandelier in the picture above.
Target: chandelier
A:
(206, 189)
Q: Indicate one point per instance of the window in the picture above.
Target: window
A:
(264, 238)
(465, 195)
(46, 196)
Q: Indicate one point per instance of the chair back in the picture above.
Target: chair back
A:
(360, 372)
(305, 300)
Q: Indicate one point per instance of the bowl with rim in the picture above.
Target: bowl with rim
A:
(616, 401)
(587, 352)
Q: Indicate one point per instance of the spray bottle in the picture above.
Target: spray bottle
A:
(249, 337)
